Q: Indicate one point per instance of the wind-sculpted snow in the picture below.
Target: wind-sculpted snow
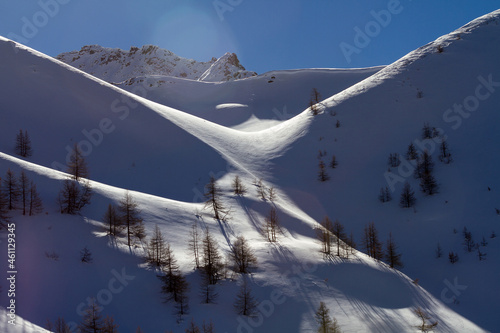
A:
(165, 154)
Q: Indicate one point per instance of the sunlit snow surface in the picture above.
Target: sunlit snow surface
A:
(165, 145)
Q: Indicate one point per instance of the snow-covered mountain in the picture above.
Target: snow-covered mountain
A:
(116, 65)
(165, 148)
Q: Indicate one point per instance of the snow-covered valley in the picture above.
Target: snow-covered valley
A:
(163, 137)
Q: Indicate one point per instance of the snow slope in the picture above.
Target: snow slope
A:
(165, 156)
(267, 96)
(116, 65)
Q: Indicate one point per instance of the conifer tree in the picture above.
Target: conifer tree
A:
(86, 255)
(411, 153)
(425, 165)
(325, 322)
(313, 102)
(351, 243)
(212, 260)
(109, 325)
(385, 194)
(324, 235)
(208, 328)
(272, 194)
(77, 166)
(213, 199)
(428, 184)
(130, 218)
(73, 196)
(207, 290)
(238, 187)
(157, 249)
(112, 219)
(23, 144)
(35, 202)
(60, 326)
(242, 255)
(193, 328)
(427, 131)
(444, 152)
(194, 244)
(371, 242)
(272, 225)
(170, 270)
(340, 236)
(439, 251)
(392, 256)
(181, 287)
(4, 212)
(245, 303)
(261, 190)
(322, 175)
(23, 188)
(11, 189)
(333, 162)
(92, 321)
(453, 257)
(394, 160)
(407, 198)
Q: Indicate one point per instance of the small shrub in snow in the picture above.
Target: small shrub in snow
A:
(453, 257)
(444, 152)
(385, 195)
(425, 326)
(439, 251)
(52, 255)
(480, 254)
(86, 255)
(393, 160)
(469, 243)
(322, 175)
(313, 102)
(411, 153)
(333, 162)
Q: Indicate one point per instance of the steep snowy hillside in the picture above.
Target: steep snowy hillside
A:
(252, 104)
(165, 156)
(116, 65)
(454, 85)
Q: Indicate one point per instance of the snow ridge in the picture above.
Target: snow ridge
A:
(116, 65)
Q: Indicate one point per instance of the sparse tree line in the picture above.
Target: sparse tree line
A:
(422, 165)
(375, 249)
(21, 193)
(208, 260)
(328, 325)
(93, 321)
(334, 241)
(323, 175)
(18, 193)
(469, 246)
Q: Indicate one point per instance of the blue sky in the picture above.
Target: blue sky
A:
(266, 34)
